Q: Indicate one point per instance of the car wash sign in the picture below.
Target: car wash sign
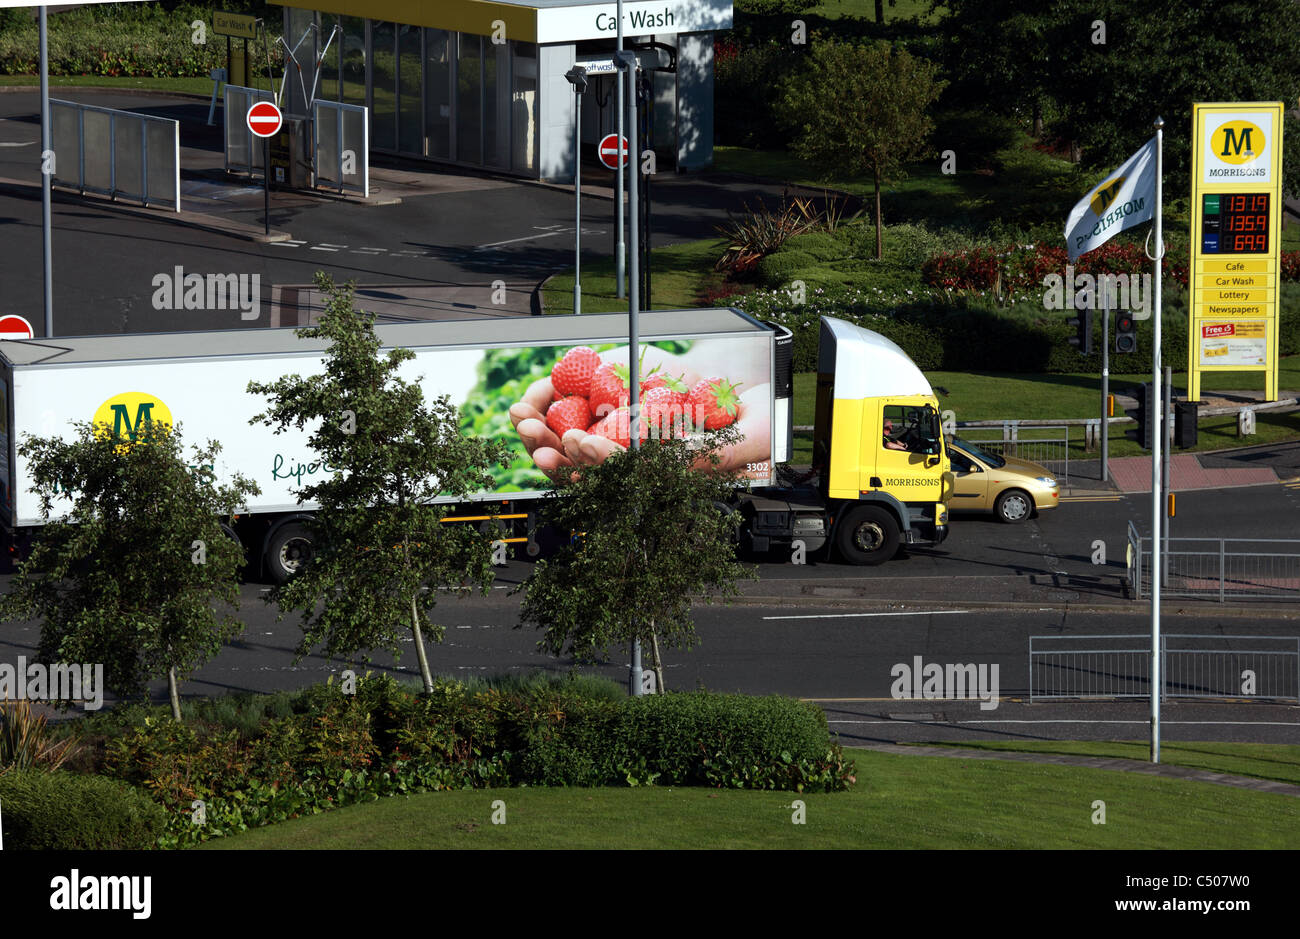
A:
(1236, 235)
(640, 18)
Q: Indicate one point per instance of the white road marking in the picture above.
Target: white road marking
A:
(16, 143)
(369, 250)
(549, 234)
(847, 615)
(324, 246)
(288, 244)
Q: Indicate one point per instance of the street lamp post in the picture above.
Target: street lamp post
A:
(577, 77)
(620, 248)
(627, 60)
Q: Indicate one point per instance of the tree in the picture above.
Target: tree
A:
(381, 554)
(1003, 55)
(128, 577)
(1160, 57)
(860, 109)
(653, 538)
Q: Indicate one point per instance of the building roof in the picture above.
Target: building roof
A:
(495, 332)
(544, 21)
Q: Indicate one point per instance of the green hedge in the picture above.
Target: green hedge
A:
(70, 812)
(125, 40)
(334, 749)
(674, 739)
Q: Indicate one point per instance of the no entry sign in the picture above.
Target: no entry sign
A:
(611, 149)
(264, 119)
(15, 327)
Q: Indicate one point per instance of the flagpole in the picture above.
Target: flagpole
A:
(1157, 445)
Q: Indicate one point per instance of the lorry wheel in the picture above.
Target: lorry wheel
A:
(288, 550)
(1014, 506)
(867, 535)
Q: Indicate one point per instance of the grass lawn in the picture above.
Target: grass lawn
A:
(899, 802)
(680, 275)
(1278, 762)
(198, 86)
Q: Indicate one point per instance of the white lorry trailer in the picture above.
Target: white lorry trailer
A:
(872, 491)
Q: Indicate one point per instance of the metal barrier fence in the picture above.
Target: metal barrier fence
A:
(1222, 568)
(1255, 668)
(120, 154)
(1052, 453)
(341, 146)
(243, 147)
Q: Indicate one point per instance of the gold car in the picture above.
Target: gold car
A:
(1011, 489)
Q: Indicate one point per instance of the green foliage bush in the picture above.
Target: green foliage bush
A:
(63, 811)
(334, 749)
(121, 39)
(975, 332)
(975, 136)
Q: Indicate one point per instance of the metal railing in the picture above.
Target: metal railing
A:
(243, 147)
(1051, 453)
(1217, 568)
(1253, 668)
(121, 154)
(341, 146)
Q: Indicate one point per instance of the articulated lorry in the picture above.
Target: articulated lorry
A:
(880, 476)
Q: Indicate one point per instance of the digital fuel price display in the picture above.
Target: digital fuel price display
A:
(1235, 223)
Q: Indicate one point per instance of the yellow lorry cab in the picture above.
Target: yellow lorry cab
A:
(878, 430)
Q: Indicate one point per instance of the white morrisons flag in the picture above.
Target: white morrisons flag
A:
(1125, 198)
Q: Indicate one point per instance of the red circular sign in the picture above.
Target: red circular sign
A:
(15, 327)
(264, 119)
(609, 150)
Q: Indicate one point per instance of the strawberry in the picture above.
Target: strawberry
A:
(714, 402)
(572, 374)
(572, 413)
(609, 388)
(664, 410)
(616, 426)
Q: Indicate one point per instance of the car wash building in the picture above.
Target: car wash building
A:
(481, 83)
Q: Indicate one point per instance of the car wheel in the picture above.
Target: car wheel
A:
(867, 534)
(288, 551)
(1014, 506)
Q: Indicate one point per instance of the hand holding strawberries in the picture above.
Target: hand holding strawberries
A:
(579, 415)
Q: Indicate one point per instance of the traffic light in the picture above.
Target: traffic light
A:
(1126, 339)
(1082, 340)
(1144, 414)
(1185, 424)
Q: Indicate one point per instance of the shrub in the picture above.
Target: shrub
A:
(25, 743)
(334, 749)
(975, 136)
(69, 812)
(782, 267)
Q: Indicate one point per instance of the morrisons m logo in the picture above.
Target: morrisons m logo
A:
(127, 413)
(1237, 142)
(1104, 196)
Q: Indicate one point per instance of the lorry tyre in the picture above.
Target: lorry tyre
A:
(867, 534)
(287, 551)
(1014, 506)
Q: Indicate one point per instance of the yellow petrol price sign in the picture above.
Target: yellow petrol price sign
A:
(1236, 241)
